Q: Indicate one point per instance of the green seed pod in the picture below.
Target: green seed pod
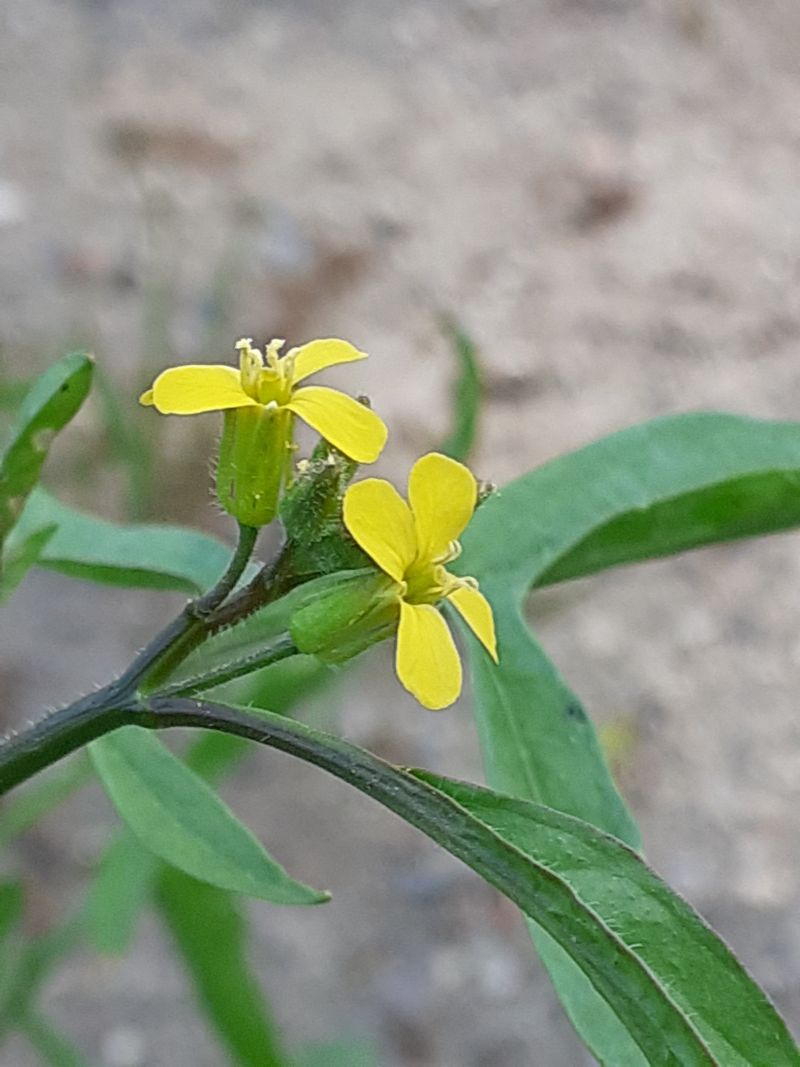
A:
(253, 462)
(345, 613)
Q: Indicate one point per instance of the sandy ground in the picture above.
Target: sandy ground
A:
(605, 192)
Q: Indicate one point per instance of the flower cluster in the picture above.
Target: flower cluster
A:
(410, 543)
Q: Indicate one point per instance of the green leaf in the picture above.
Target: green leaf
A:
(41, 797)
(650, 490)
(343, 1053)
(211, 936)
(13, 392)
(52, 402)
(127, 873)
(686, 970)
(53, 1047)
(537, 741)
(123, 885)
(143, 555)
(15, 565)
(647, 491)
(12, 899)
(674, 985)
(182, 820)
(37, 959)
(466, 395)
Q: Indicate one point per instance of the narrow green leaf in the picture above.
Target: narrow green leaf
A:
(15, 565)
(537, 741)
(36, 960)
(688, 968)
(13, 392)
(676, 988)
(127, 873)
(203, 920)
(53, 1047)
(139, 555)
(343, 1053)
(590, 1014)
(212, 755)
(123, 885)
(650, 490)
(51, 403)
(662, 487)
(182, 820)
(466, 395)
(11, 903)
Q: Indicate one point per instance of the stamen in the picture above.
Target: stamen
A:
(273, 348)
(251, 363)
(453, 551)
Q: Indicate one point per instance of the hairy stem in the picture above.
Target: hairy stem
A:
(185, 632)
(56, 735)
(120, 703)
(282, 648)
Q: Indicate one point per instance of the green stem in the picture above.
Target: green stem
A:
(239, 560)
(282, 648)
(58, 734)
(185, 632)
(118, 704)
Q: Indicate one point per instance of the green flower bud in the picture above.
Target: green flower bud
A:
(344, 614)
(254, 456)
(311, 512)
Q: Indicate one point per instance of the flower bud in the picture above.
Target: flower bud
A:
(344, 614)
(254, 456)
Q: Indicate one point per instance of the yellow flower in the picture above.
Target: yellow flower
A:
(260, 401)
(412, 543)
(272, 385)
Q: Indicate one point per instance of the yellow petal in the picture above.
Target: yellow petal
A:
(380, 522)
(348, 425)
(193, 389)
(147, 398)
(442, 495)
(317, 355)
(427, 660)
(476, 611)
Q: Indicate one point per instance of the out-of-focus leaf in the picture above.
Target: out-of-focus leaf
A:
(343, 1053)
(210, 934)
(53, 1047)
(11, 902)
(15, 565)
(13, 392)
(182, 820)
(51, 403)
(146, 556)
(40, 797)
(466, 401)
(129, 444)
(123, 885)
(38, 957)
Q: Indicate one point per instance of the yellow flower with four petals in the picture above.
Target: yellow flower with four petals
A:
(412, 543)
(260, 401)
(348, 425)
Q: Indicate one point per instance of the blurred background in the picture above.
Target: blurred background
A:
(604, 194)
